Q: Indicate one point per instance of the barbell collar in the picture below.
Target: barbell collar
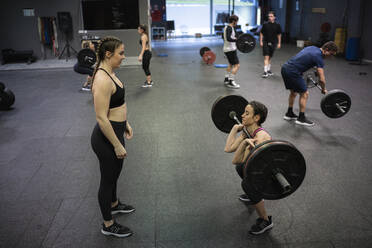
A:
(282, 181)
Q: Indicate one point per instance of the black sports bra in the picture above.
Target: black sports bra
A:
(118, 98)
(140, 42)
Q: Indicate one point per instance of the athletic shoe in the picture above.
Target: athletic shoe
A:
(305, 122)
(244, 198)
(233, 85)
(290, 116)
(147, 85)
(270, 73)
(265, 75)
(85, 88)
(122, 208)
(116, 230)
(261, 226)
(226, 81)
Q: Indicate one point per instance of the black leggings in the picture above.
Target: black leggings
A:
(252, 193)
(110, 166)
(146, 62)
(83, 69)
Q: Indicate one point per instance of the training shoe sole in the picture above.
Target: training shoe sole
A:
(116, 235)
(232, 87)
(287, 118)
(263, 230)
(122, 211)
(304, 123)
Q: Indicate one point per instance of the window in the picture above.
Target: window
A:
(110, 14)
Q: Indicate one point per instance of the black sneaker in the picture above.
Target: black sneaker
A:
(265, 75)
(290, 116)
(116, 230)
(122, 208)
(304, 122)
(233, 85)
(261, 226)
(85, 88)
(270, 73)
(226, 81)
(244, 198)
(147, 85)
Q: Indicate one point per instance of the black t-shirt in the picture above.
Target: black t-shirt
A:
(270, 31)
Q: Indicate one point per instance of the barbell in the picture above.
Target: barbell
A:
(7, 97)
(336, 103)
(275, 168)
(86, 57)
(245, 44)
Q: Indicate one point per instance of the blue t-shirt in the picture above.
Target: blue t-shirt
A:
(307, 58)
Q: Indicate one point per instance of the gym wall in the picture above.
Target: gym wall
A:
(21, 32)
(303, 23)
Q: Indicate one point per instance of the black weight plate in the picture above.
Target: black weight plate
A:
(2, 86)
(270, 155)
(7, 98)
(328, 103)
(86, 57)
(246, 43)
(222, 108)
(203, 50)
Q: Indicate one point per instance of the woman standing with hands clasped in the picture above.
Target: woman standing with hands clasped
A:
(108, 135)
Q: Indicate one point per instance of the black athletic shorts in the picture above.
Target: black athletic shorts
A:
(232, 57)
(293, 80)
(268, 48)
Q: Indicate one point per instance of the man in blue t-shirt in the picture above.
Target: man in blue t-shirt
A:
(292, 70)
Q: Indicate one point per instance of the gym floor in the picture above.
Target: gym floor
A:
(183, 186)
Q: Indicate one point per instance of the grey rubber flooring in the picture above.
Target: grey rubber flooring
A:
(183, 185)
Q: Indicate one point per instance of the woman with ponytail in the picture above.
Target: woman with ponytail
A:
(108, 135)
(145, 55)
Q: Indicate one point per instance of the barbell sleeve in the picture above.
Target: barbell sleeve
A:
(282, 181)
(233, 116)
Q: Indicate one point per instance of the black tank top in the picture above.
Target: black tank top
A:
(118, 98)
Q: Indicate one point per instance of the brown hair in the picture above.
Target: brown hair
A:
(330, 46)
(233, 18)
(144, 28)
(259, 109)
(85, 44)
(107, 44)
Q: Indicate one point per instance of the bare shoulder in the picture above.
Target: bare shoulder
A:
(102, 81)
(262, 136)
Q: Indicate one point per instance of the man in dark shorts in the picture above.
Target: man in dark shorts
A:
(270, 38)
(292, 71)
(229, 48)
(254, 115)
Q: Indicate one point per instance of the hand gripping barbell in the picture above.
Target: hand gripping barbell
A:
(276, 168)
(336, 103)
